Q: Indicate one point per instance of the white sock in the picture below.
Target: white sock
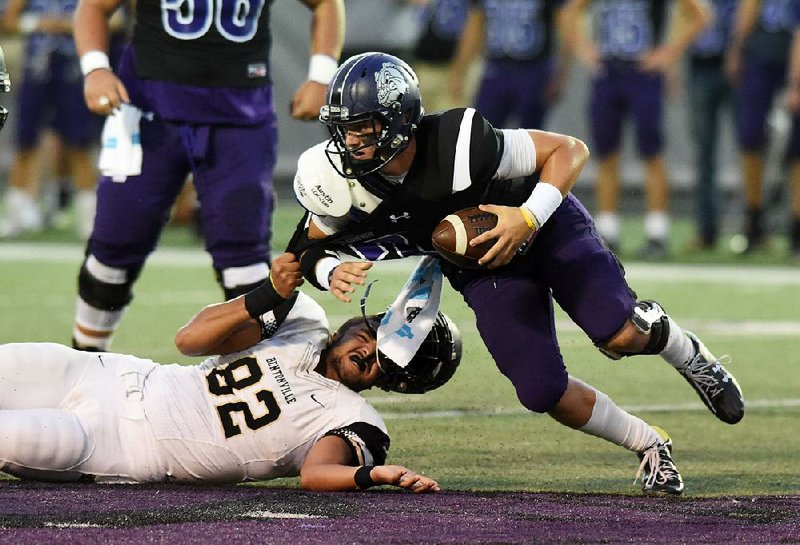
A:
(679, 348)
(611, 423)
(656, 226)
(85, 204)
(607, 224)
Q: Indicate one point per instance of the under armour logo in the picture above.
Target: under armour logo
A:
(403, 216)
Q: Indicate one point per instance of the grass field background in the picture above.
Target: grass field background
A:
(472, 434)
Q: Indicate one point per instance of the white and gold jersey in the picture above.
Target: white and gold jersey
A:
(255, 414)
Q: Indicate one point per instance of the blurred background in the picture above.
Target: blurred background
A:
(395, 26)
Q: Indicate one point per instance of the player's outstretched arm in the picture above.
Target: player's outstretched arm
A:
(325, 469)
(231, 326)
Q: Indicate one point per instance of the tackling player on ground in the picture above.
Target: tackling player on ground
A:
(280, 399)
(389, 174)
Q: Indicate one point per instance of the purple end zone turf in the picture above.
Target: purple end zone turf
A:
(37, 513)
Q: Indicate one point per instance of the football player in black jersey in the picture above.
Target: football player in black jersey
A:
(199, 72)
(390, 173)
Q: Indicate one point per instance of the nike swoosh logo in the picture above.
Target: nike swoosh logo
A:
(316, 401)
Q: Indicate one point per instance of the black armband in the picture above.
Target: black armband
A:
(262, 299)
(363, 479)
(308, 264)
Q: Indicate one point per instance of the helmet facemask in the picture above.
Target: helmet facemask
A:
(372, 90)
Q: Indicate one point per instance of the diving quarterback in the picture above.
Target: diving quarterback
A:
(280, 399)
(390, 173)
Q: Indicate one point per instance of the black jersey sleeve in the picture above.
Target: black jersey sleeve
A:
(367, 443)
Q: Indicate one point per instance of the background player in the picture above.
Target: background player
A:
(203, 82)
(280, 400)
(628, 54)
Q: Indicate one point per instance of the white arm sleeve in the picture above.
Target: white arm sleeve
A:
(519, 155)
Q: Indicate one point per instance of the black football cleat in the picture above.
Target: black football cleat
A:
(657, 470)
(713, 383)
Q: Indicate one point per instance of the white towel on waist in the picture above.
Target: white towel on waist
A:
(121, 153)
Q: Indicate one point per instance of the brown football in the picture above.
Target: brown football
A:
(451, 237)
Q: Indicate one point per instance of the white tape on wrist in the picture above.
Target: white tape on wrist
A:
(321, 68)
(543, 201)
(324, 269)
(94, 60)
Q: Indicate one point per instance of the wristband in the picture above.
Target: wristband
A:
(529, 219)
(262, 299)
(324, 270)
(321, 68)
(28, 23)
(543, 202)
(363, 479)
(94, 60)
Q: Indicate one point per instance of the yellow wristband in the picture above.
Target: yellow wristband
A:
(272, 281)
(529, 219)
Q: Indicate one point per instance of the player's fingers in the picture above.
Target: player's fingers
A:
(485, 237)
(352, 278)
(340, 295)
(489, 256)
(361, 266)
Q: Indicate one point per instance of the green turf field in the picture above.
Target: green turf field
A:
(472, 434)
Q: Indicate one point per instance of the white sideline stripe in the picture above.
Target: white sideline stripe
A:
(751, 275)
(499, 411)
(72, 525)
(276, 515)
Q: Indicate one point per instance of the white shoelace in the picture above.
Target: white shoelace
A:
(702, 373)
(658, 474)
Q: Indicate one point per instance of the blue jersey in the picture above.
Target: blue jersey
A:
(713, 41)
(771, 39)
(442, 23)
(627, 29)
(519, 30)
(41, 44)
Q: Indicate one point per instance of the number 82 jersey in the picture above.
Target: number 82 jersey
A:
(255, 414)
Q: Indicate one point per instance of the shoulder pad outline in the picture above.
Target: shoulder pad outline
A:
(317, 185)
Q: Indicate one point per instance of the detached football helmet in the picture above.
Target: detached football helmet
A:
(375, 88)
(433, 365)
(5, 87)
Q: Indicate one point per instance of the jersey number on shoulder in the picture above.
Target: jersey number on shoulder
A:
(236, 20)
(235, 377)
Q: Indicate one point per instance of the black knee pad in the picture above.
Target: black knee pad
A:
(236, 291)
(649, 317)
(102, 295)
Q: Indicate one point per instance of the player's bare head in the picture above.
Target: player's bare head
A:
(372, 110)
(351, 355)
(5, 87)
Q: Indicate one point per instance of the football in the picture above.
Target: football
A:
(451, 237)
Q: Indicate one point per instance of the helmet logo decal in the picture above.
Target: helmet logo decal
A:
(390, 83)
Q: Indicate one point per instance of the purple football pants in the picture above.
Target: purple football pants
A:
(568, 263)
(232, 167)
(621, 90)
(55, 99)
(515, 90)
(760, 83)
